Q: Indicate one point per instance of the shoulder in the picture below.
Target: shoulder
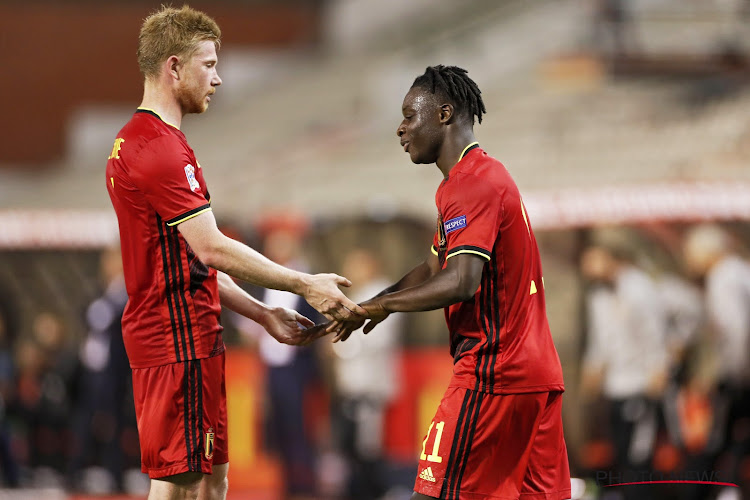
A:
(144, 132)
(485, 176)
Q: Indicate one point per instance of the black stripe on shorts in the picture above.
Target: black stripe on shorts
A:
(459, 454)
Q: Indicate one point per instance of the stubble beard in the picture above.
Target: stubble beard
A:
(192, 100)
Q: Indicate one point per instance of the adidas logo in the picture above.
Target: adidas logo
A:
(427, 475)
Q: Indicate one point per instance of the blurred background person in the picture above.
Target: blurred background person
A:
(711, 254)
(46, 385)
(613, 28)
(625, 359)
(104, 397)
(8, 330)
(292, 372)
(365, 382)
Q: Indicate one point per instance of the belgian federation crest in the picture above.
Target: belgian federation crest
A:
(442, 239)
(210, 443)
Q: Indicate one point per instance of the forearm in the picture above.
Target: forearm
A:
(415, 277)
(441, 290)
(236, 299)
(242, 262)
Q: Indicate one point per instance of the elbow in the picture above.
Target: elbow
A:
(466, 289)
(210, 255)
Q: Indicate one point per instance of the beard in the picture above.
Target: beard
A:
(191, 99)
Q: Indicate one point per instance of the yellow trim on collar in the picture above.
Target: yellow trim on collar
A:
(475, 143)
(162, 119)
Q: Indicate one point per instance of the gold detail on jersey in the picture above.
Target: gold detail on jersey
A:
(170, 224)
(542, 282)
(434, 250)
(453, 254)
(427, 475)
(116, 149)
(112, 179)
(533, 288)
(162, 119)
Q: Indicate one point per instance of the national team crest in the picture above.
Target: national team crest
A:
(192, 181)
(442, 239)
(210, 443)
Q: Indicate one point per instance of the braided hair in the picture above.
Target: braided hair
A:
(454, 84)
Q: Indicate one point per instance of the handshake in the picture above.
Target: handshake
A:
(323, 294)
(341, 329)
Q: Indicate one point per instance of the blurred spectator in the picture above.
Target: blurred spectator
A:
(366, 377)
(291, 371)
(626, 358)
(710, 254)
(8, 325)
(613, 28)
(104, 396)
(47, 364)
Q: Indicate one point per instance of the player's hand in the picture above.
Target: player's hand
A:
(322, 292)
(289, 327)
(342, 330)
(315, 332)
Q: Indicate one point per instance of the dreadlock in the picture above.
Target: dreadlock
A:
(454, 83)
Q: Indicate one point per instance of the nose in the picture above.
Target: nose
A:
(401, 130)
(217, 81)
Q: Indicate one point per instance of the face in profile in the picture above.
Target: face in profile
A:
(198, 79)
(421, 131)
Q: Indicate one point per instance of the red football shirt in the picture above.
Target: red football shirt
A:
(155, 183)
(500, 339)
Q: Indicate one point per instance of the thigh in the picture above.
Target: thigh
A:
(548, 473)
(478, 445)
(181, 413)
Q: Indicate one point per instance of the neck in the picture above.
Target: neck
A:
(453, 146)
(161, 100)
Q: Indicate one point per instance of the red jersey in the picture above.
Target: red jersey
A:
(155, 183)
(500, 339)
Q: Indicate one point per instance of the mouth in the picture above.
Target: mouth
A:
(405, 146)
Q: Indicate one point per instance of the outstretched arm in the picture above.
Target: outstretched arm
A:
(459, 281)
(416, 276)
(285, 325)
(216, 250)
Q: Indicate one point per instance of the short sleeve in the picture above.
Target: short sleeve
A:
(165, 173)
(471, 217)
(434, 247)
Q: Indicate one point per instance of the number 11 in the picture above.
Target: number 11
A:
(433, 457)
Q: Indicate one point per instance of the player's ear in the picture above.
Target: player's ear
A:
(446, 113)
(174, 65)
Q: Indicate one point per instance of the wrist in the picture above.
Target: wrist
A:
(301, 284)
(264, 315)
(386, 303)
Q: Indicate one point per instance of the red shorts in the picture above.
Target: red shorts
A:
(490, 446)
(182, 416)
